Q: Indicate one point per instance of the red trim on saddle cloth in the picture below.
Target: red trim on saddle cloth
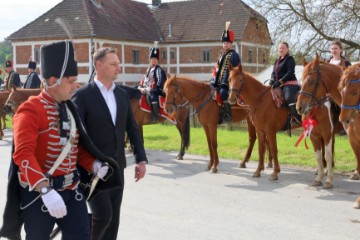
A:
(146, 108)
(290, 82)
(308, 124)
(36, 139)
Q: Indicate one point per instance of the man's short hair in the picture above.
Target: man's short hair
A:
(100, 53)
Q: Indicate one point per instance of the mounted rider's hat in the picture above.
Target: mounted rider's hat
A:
(8, 63)
(228, 35)
(32, 65)
(154, 51)
(58, 60)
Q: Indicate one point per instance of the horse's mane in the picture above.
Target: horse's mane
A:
(331, 68)
(249, 75)
(189, 80)
(350, 73)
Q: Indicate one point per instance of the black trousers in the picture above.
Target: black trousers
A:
(290, 93)
(39, 224)
(105, 207)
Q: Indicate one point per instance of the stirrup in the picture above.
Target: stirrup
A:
(294, 121)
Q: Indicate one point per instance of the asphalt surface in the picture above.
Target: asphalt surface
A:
(179, 200)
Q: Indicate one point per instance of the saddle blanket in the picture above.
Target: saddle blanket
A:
(144, 105)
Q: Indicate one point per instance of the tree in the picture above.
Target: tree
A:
(5, 52)
(309, 25)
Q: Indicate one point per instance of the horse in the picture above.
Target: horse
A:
(16, 97)
(349, 116)
(3, 97)
(145, 118)
(266, 117)
(182, 91)
(316, 99)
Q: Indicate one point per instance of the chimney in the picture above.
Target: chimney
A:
(156, 3)
(170, 31)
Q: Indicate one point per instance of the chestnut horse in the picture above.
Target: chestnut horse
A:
(144, 118)
(264, 114)
(17, 97)
(3, 97)
(181, 92)
(349, 87)
(318, 91)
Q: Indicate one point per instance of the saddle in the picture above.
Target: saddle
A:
(216, 97)
(145, 106)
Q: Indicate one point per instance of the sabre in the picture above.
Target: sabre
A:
(95, 182)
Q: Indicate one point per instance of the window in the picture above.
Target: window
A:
(172, 54)
(264, 57)
(163, 55)
(136, 56)
(37, 55)
(250, 55)
(206, 56)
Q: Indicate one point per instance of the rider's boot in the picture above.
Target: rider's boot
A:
(227, 115)
(296, 118)
(155, 111)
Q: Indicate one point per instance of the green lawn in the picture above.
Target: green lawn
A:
(233, 145)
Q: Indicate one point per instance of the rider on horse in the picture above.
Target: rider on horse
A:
(11, 77)
(220, 76)
(283, 76)
(153, 82)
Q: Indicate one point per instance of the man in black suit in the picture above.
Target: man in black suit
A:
(107, 115)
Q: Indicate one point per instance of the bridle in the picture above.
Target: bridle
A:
(186, 104)
(238, 91)
(315, 102)
(356, 107)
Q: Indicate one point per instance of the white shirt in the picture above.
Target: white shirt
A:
(335, 62)
(109, 97)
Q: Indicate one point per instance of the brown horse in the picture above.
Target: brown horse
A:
(181, 92)
(264, 114)
(350, 91)
(3, 97)
(145, 118)
(318, 91)
(349, 116)
(17, 97)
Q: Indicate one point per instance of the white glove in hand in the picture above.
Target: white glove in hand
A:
(55, 204)
(100, 169)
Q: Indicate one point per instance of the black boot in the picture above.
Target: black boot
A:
(296, 118)
(155, 111)
(227, 114)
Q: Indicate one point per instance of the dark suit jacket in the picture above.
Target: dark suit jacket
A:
(107, 137)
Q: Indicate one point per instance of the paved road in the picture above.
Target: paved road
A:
(178, 200)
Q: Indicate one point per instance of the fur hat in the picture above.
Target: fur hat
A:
(227, 35)
(58, 60)
(8, 63)
(32, 65)
(154, 52)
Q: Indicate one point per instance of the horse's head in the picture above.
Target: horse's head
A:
(318, 79)
(236, 83)
(173, 95)
(17, 97)
(350, 92)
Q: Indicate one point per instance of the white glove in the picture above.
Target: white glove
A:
(54, 203)
(100, 169)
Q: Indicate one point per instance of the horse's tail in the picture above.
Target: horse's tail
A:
(186, 132)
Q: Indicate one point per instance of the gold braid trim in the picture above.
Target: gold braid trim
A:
(225, 66)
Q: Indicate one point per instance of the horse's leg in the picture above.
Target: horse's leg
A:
(271, 138)
(318, 152)
(213, 137)
(252, 139)
(329, 157)
(183, 126)
(261, 143)
(1, 130)
(270, 158)
(357, 203)
(207, 134)
(355, 145)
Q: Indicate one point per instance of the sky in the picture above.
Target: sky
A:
(15, 14)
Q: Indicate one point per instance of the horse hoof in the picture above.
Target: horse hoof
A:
(328, 185)
(269, 165)
(256, 175)
(356, 205)
(354, 176)
(179, 157)
(316, 183)
(213, 170)
(242, 165)
(273, 177)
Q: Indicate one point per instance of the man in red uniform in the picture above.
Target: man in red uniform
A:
(47, 156)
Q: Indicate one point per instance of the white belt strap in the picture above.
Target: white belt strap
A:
(67, 146)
